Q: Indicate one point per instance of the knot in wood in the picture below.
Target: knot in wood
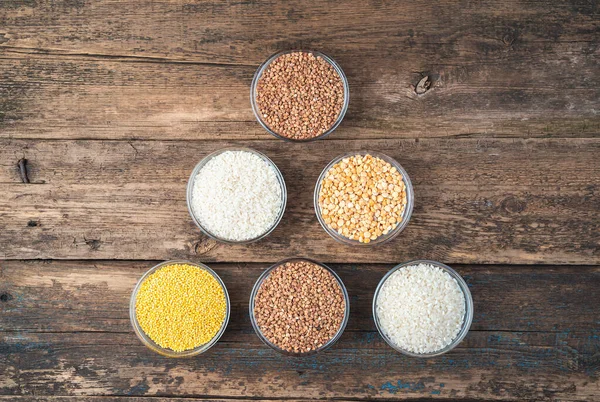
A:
(205, 245)
(4, 297)
(513, 205)
(423, 85)
(22, 164)
(94, 244)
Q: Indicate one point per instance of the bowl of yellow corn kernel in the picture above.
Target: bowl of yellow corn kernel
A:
(363, 198)
(179, 309)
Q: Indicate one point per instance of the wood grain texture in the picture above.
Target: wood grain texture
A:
(484, 201)
(534, 336)
(167, 69)
(112, 103)
(93, 296)
(14, 398)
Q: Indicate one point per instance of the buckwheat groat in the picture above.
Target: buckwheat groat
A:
(300, 95)
(299, 307)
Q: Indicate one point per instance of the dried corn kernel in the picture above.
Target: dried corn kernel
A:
(180, 307)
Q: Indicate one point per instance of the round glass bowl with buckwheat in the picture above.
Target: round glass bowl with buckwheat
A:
(299, 307)
(299, 95)
(363, 198)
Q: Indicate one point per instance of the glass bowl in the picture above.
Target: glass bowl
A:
(468, 318)
(153, 345)
(257, 286)
(266, 64)
(406, 214)
(203, 162)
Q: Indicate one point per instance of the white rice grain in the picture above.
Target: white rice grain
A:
(236, 196)
(421, 308)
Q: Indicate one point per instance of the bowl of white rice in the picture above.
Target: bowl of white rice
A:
(423, 308)
(236, 195)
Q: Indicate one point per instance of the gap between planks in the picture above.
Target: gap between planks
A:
(66, 55)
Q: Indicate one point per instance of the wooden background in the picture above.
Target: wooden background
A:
(112, 103)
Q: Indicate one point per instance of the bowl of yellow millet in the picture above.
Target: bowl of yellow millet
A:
(179, 308)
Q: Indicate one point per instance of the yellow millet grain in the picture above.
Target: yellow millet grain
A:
(362, 197)
(180, 307)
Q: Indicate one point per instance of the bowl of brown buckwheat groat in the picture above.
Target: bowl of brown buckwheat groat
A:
(299, 95)
(299, 307)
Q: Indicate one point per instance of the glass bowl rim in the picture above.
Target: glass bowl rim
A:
(209, 157)
(469, 308)
(265, 274)
(260, 70)
(149, 343)
(408, 209)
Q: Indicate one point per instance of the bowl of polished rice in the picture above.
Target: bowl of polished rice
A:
(236, 195)
(423, 308)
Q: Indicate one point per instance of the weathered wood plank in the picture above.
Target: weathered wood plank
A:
(182, 399)
(135, 399)
(477, 201)
(158, 70)
(359, 367)
(124, 399)
(93, 296)
(534, 337)
(128, 399)
(74, 98)
(165, 70)
(238, 33)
